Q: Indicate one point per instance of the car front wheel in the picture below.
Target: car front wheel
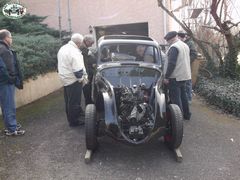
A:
(91, 127)
(174, 135)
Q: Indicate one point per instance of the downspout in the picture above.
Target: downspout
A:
(164, 20)
(59, 19)
(69, 17)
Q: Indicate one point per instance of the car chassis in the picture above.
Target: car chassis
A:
(130, 100)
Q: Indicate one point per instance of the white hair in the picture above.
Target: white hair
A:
(89, 38)
(77, 38)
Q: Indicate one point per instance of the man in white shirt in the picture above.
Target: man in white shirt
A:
(72, 73)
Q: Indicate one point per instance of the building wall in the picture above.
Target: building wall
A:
(100, 12)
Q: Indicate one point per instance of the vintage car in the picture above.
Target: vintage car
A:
(130, 100)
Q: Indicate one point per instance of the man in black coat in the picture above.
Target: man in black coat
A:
(90, 64)
(12, 77)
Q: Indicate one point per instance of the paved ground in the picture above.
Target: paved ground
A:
(52, 150)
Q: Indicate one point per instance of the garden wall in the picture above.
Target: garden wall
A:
(35, 89)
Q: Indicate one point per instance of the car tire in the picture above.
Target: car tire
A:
(91, 127)
(174, 135)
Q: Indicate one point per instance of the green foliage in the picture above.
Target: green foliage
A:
(35, 43)
(29, 24)
(3, 2)
(238, 70)
(37, 54)
(222, 92)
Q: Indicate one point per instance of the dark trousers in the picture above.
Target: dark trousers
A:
(189, 89)
(7, 103)
(87, 90)
(72, 97)
(178, 95)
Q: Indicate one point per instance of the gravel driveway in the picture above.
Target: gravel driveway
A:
(52, 150)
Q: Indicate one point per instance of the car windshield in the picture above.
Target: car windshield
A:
(128, 52)
(130, 75)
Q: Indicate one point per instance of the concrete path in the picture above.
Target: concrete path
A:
(52, 150)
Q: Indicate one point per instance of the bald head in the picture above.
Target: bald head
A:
(77, 39)
(6, 36)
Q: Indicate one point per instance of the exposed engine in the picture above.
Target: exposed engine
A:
(134, 112)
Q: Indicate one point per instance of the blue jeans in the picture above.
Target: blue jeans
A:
(189, 89)
(7, 103)
(177, 95)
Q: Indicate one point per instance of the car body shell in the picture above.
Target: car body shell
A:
(105, 88)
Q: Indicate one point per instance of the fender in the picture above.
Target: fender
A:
(110, 113)
(160, 100)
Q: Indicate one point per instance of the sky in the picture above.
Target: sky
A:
(234, 9)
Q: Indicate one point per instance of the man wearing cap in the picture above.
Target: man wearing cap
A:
(193, 55)
(177, 72)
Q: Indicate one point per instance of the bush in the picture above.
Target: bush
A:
(35, 43)
(37, 54)
(222, 92)
(29, 24)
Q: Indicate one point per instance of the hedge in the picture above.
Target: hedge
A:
(37, 54)
(222, 92)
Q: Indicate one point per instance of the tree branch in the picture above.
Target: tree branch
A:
(170, 13)
(210, 27)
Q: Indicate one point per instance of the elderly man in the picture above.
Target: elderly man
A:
(90, 64)
(73, 75)
(193, 55)
(10, 76)
(178, 71)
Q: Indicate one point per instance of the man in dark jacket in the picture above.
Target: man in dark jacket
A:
(90, 64)
(11, 77)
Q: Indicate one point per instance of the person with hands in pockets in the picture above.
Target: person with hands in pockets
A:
(72, 73)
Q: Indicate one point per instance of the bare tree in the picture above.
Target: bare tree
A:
(188, 31)
(222, 26)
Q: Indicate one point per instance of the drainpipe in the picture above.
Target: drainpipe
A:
(164, 20)
(59, 19)
(69, 18)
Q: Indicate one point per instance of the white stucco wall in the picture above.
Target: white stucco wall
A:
(100, 12)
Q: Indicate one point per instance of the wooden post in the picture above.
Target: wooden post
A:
(178, 155)
(88, 156)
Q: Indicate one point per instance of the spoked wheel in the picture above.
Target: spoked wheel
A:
(173, 138)
(91, 127)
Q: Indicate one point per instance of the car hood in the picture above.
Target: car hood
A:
(129, 73)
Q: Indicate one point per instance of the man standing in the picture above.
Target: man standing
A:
(72, 73)
(9, 78)
(193, 55)
(90, 64)
(178, 71)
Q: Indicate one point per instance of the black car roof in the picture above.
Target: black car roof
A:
(112, 39)
(129, 37)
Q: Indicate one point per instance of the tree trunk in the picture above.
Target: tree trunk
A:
(230, 63)
(231, 58)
